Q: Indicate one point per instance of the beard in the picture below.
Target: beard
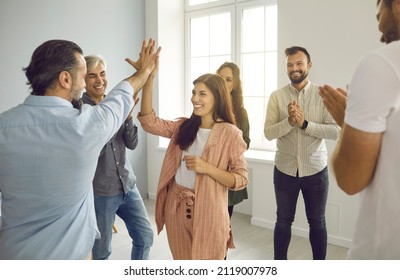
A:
(76, 95)
(76, 100)
(391, 36)
(392, 32)
(75, 91)
(300, 79)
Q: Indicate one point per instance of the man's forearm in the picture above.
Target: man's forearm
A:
(138, 79)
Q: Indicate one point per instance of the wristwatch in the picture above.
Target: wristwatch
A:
(305, 124)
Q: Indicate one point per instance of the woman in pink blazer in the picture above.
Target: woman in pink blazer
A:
(204, 159)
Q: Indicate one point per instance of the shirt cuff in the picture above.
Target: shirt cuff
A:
(125, 86)
(146, 118)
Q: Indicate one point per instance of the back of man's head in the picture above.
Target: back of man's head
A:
(48, 61)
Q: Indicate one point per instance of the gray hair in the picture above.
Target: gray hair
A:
(93, 60)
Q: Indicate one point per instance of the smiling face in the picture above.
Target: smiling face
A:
(96, 82)
(297, 68)
(203, 102)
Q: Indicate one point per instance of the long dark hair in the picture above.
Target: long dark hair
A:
(237, 91)
(222, 110)
(48, 61)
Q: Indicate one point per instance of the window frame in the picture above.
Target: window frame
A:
(208, 5)
(264, 144)
(188, 16)
(235, 8)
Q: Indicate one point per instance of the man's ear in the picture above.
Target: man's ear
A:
(65, 80)
(309, 65)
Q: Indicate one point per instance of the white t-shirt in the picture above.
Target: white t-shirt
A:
(373, 106)
(187, 178)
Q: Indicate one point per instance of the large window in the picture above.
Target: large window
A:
(244, 32)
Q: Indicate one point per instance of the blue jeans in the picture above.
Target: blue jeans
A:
(315, 192)
(131, 209)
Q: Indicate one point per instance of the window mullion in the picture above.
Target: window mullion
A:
(257, 98)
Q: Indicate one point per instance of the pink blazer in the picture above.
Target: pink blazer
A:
(224, 149)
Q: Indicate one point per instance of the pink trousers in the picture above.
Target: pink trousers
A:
(179, 213)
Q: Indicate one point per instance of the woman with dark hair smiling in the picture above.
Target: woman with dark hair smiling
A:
(204, 159)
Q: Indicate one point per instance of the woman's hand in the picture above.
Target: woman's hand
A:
(194, 163)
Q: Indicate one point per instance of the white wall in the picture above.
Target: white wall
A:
(336, 33)
(114, 29)
(164, 21)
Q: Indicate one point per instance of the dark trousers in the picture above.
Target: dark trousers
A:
(314, 189)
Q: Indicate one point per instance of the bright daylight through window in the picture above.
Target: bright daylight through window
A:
(244, 32)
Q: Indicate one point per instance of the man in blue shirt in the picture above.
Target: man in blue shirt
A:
(49, 152)
(114, 183)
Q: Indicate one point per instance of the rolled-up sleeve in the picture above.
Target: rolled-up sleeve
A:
(157, 126)
(237, 163)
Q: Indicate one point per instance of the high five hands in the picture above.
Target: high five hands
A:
(145, 66)
(146, 55)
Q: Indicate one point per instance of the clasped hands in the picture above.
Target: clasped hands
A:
(296, 114)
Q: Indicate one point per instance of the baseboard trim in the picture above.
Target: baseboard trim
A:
(151, 196)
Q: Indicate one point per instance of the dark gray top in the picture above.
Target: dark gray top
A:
(114, 174)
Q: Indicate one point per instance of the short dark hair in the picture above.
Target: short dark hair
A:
(293, 50)
(48, 61)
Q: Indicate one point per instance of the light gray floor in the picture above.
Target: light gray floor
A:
(252, 242)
